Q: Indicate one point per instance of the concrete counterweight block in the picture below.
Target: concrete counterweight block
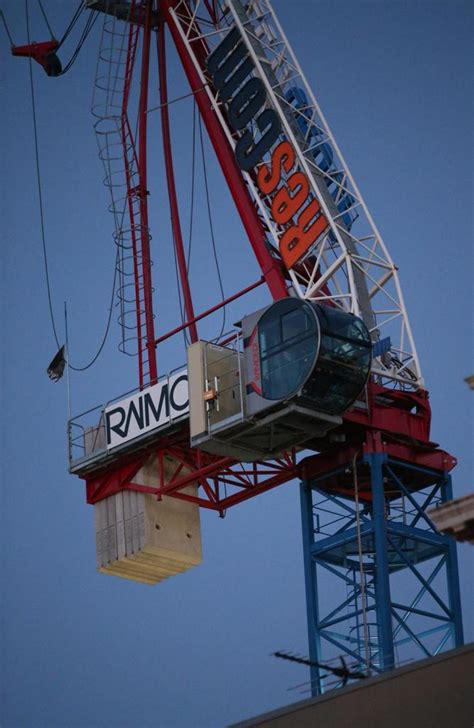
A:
(143, 539)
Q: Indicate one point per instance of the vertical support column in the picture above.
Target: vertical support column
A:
(382, 574)
(454, 592)
(143, 193)
(312, 609)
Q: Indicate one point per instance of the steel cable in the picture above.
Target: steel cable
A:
(107, 328)
(45, 18)
(2, 16)
(190, 233)
(363, 593)
(38, 178)
(71, 25)
(43, 235)
(211, 227)
(193, 175)
(87, 29)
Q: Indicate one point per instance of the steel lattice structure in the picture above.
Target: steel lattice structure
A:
(313, 237)
(391, 584)
(337, 268)
(350, 265)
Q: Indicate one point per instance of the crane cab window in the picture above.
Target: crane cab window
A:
(288, 340)
(343, 363)
(315, 352)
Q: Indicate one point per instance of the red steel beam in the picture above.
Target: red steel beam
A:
(142, 163)
(173, 198)
(223, 503)
(210, 310)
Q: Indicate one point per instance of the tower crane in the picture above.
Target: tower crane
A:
(323, 383)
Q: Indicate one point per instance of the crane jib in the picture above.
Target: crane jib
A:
(284, 187)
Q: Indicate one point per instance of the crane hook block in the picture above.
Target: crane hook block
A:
(43, 53)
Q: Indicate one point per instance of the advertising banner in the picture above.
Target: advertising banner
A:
(152, 409)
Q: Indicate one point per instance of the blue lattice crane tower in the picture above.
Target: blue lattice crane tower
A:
(382, 584)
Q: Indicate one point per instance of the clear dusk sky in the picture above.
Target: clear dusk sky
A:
(83, 650)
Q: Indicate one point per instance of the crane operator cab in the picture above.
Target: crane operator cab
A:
(300, 367)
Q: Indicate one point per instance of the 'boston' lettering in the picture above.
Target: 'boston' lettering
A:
(229, 66)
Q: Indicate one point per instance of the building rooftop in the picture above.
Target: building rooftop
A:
(456, 518)
(430, 693)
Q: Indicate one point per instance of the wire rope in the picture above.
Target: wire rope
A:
(178, 98)
(45, 18)
(180, 299)
(6, 28)
(190, 233)
(211, 226)
(193, 177)
(38, 179)
(363, 593)
(87, 29)
(43, 235)
(107, 328)
(72, 23)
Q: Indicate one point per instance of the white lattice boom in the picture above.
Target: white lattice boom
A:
(349, 265)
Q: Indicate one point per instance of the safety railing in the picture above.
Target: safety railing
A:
(88, 438)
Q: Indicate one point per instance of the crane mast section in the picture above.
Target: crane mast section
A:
(317, 221)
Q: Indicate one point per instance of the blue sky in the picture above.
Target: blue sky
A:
(84, 650)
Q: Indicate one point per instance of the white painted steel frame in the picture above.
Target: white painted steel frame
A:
(351, 261)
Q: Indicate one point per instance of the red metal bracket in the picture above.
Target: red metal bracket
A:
(334, 468)
(222, 481)
(43, 53)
